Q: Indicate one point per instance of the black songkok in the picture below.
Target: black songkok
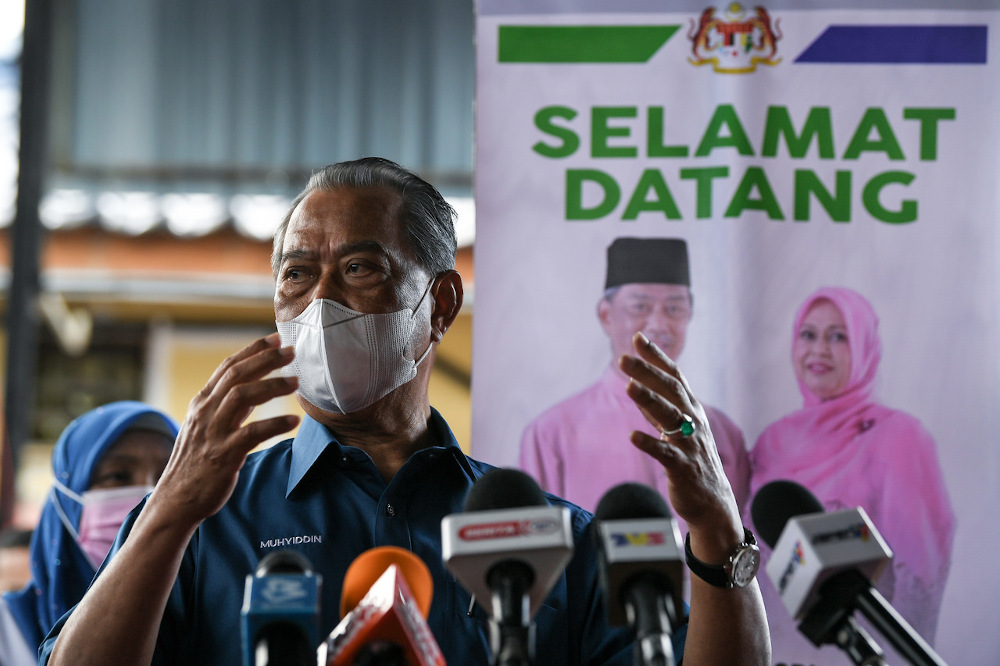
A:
(648, 260)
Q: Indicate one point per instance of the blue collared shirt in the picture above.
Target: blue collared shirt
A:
(329, 502)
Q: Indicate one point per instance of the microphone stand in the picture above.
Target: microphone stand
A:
(830, 622)
(283, 644)
(650, 610)
(853, 589)
(381, 653)
(511, 629)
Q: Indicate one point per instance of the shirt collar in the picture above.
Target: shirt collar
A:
(310, 442)
(313, 438)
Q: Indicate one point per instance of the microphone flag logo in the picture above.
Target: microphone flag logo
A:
(283, 590)
(638, 538)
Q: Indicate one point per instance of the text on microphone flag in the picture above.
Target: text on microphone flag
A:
(508, 528)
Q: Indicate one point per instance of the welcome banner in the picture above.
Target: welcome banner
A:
(790, 149)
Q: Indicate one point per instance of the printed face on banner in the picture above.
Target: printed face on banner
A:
(821, 352)
(660, 311)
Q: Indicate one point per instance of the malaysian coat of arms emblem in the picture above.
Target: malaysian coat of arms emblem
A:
(733, 40)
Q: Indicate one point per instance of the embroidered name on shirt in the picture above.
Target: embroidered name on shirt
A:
(288, 541)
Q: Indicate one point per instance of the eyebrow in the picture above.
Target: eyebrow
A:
(363, 246)
(646, 297)
(841, 327)
(296, 254)
(347, 248)
(120, 457)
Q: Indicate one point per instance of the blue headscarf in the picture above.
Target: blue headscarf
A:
(60, 571)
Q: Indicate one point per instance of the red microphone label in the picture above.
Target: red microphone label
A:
(506, 529)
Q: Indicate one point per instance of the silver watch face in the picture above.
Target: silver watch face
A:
(745, 565)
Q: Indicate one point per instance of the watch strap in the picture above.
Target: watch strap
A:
(719, 575)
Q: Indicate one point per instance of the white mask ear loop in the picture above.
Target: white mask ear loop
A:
(59, 510)
(429, 343)
(424, 295)
(424, 355)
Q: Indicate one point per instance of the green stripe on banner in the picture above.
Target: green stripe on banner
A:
(586, 43)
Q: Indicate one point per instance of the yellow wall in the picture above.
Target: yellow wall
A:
(451, 397)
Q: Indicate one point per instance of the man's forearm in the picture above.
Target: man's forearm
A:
(119, 618)
(727, 626)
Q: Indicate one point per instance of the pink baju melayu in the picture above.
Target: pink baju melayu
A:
(851, 451)
(580, 448)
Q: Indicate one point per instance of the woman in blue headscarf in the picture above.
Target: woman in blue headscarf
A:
(104, 463)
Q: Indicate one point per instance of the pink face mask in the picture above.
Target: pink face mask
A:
(103, 513)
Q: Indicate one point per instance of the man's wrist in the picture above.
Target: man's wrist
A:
(713, 543)
(738, 570)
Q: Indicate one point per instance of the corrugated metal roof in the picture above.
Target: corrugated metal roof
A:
(185, 214)
(188, 117)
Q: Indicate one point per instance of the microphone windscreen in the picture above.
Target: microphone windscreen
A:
(631, 501)
(776, 503)
(283, 562)
(369, 566)
(502, 488)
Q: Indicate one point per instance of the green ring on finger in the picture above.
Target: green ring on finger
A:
(686, 428)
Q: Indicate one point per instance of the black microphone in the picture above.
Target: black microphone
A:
(822, 565)
(508, 548)
(280, 616)
(641, 568)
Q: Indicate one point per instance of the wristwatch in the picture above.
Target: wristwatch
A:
(737, 572)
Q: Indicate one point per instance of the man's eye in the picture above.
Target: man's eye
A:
(355, 268)
(295, 275)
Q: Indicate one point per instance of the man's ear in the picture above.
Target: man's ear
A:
(446, 294)
(604, 313)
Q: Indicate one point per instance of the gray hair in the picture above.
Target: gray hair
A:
(609, 293)
(429, 220)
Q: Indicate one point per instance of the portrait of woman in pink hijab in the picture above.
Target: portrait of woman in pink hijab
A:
(850, 450)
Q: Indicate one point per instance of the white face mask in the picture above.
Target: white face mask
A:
(347, 360)
(104, 511)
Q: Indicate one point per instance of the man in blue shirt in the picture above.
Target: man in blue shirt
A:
(365, 287)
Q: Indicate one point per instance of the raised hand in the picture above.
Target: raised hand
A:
(699, 490)
(214, 440)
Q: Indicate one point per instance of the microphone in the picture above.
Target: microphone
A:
(822, 565)
(641, 568)
(280, 615)
(384, 604)
(508, 548)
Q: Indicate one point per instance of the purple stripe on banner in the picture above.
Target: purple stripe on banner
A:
(888, 44)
